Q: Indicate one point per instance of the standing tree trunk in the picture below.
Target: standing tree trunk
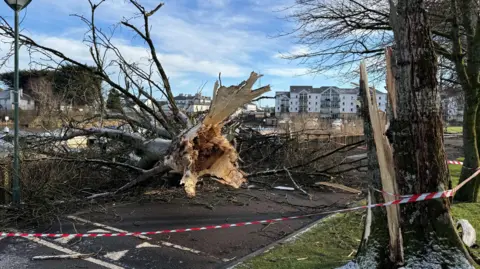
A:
(471, 125)
(430, 239)
(465, 35)
(429, 236)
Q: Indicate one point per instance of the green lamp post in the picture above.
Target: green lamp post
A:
(16, 5)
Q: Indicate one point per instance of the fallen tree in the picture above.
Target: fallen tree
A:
(159, 140)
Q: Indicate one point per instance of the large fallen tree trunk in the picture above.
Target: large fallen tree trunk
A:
(203, 150)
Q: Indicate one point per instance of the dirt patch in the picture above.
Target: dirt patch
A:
(454, 147)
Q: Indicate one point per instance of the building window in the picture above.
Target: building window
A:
(309, 103)
(316, 97)
(379, 104)
(351, 109)
(316, 103)
(303, 102)
(379, 98)
(343, 109)
(343, 103)
(351, 104)
(343, 98)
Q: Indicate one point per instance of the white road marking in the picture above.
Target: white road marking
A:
(98, 231)
(71, 252)
(164, 243)
(116, 255)
(168, 244)
(106, 227)
(147, 245)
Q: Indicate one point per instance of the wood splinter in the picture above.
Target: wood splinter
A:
(203, 150)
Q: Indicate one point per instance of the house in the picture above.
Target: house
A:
(250, 107)
(326, 101)
(193, 103)
(130, 106)
(26, 102)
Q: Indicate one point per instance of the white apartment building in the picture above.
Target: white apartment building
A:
(193, 103)
(326, 101)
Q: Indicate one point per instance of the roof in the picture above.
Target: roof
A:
(190, 97)
(297, 89)
(310, 89)
(282, 93)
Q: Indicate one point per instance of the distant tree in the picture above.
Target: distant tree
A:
(70, 83)
(113, 100)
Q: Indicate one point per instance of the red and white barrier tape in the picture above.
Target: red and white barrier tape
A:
(410, 195)
(407, 199)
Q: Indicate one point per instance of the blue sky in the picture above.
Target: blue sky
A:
(195, 39)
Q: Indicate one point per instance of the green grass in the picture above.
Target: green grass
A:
(455, 171)
(470, 212)
(454, 129)
(334, 242)
(328, 245)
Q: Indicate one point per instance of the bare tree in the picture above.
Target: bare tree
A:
(340, 32)
(165, 140)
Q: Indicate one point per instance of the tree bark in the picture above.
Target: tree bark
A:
(471, 125)
(430, 238)
(471, 142)
(467, 69)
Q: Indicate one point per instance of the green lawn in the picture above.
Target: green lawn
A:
(454, 129)
(329, 245)
(334, 242)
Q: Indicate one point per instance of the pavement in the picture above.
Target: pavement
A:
(198, 249)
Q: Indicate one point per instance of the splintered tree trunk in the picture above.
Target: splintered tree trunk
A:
(372, 252)
(429, 237)
(203, 150)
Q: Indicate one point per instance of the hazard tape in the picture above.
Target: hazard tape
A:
(410, 195)
(408, 199)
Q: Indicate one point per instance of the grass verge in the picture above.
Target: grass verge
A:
(334, 241)
(330, 244)
(454, 129)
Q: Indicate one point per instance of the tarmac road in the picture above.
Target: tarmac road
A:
(198, 249)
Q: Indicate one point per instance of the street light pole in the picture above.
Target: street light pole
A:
(16, 161)
(16, 5)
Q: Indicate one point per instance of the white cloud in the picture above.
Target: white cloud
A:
(294, 50)
(286, 72)
(213, 3)
(194, 42)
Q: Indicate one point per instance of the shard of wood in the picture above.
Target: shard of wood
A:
(203, 150)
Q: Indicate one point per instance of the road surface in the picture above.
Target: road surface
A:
(199, 249)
